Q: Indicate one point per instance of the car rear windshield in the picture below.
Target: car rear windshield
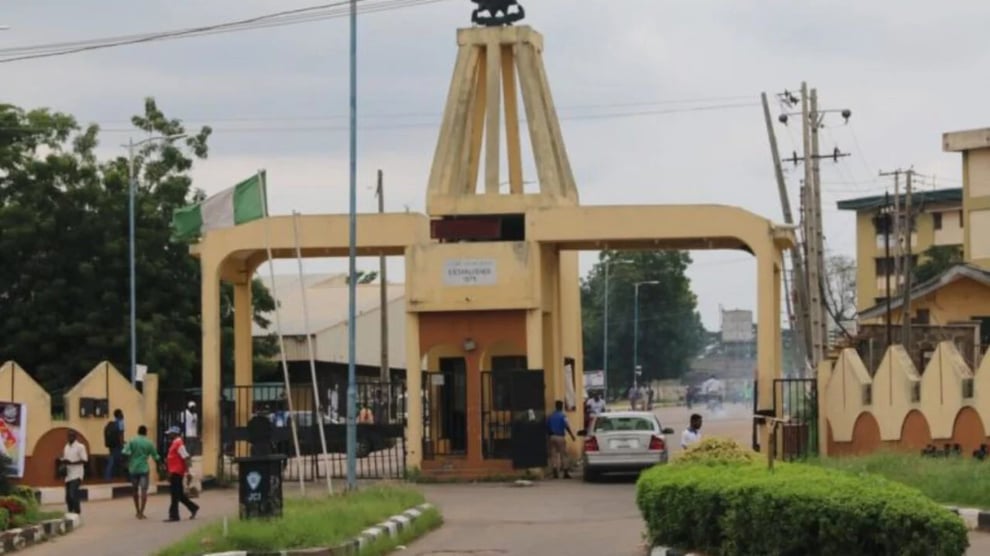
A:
(609, 424)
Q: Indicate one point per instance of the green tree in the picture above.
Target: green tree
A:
(64, 245)
(670, 329)
(935, 260)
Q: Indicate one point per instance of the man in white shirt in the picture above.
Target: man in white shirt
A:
(692, 434)
(190, 421)
(74, 458)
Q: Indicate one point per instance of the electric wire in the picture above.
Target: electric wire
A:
(276, 19)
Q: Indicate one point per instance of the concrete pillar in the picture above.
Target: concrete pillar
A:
(211, 365)
(414, 394)
(149, 396)
(243, 357)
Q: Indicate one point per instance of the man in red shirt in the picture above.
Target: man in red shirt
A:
(177, 465)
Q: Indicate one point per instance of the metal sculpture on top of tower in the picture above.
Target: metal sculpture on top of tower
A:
(496, 13)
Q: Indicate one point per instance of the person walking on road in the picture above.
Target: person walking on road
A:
(74, 460)
(113, 437)
(692, 434)
(558, 426)
(138, 450)
(177, 464)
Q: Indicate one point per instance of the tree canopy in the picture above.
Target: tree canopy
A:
(670, 329)
(64, 281)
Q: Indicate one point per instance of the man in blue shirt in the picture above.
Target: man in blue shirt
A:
(557, 426)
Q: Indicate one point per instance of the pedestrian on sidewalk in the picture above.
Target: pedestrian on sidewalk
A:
(73, 462)
(177, 464)
(113, 437)
(557, 425)
(138, 450)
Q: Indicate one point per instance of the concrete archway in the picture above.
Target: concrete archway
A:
(915, 432)
(967, 430)
(866, 434)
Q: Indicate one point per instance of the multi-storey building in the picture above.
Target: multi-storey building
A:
(938, 221)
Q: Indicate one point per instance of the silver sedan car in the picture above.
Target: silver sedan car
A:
(623, 441)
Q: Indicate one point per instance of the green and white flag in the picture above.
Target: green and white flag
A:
(242, 203)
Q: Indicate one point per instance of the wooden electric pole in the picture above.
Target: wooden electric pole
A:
(383, 276)
(816, 203)
(909, 228)
(799, 314)
(812, 235)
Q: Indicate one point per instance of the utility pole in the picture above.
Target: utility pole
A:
(884, 217)
(383, 276)
(906, 305)
(897, 231)
(798, 314)
(809, 119)
(816, 206)
(811, 215)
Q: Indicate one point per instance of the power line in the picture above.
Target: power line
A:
(275, 19)
(432, 124)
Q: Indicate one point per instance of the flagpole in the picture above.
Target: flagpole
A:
(312, 352)
(278, 326)
(352, 271)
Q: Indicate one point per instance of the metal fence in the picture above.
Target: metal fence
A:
(796, 400)
(381, 416)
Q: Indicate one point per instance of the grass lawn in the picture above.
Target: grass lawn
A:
(959, 481)
(306, 523)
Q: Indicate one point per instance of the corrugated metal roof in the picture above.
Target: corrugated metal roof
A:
(859, 204)
(326, 297)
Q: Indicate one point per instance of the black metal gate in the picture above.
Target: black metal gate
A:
(513, 417)
(172, 405)
(795, 403)
(381, 418)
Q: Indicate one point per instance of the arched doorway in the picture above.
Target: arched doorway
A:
(967, 431)
(915, 432)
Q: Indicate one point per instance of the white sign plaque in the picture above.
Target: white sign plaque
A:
(469, 272)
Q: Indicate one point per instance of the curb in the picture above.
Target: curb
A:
(391, 527)
(94, 493)
(19, 539)
(664, 551)
(975, 519)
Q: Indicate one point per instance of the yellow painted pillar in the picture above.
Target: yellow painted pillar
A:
(768, 325)
(534, 338)
(767, 333)
(243, 358)
(211, 366)
(569, 324)
(414, 394)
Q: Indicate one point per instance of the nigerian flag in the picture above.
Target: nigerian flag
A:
(242, 203)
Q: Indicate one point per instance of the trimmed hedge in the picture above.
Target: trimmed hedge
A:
(738, 510)
(717, 451)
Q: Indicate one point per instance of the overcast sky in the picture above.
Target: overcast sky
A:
(908, 69)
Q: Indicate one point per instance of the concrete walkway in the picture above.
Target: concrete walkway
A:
(110, 528)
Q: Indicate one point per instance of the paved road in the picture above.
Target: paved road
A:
(552, 517)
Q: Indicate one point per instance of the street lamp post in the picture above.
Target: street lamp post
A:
(636, 328)
(131, 188)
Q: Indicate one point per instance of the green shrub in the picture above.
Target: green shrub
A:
(4, 519)
(717, 451)
(797, 509)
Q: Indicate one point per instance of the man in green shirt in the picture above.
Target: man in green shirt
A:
(138, 450)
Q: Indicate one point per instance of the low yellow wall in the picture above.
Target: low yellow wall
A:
(899, 407)
(102, 382)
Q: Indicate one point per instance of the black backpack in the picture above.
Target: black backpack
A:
(111, 435)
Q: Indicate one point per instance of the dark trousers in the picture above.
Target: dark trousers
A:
(178, 493)
(72, 496)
